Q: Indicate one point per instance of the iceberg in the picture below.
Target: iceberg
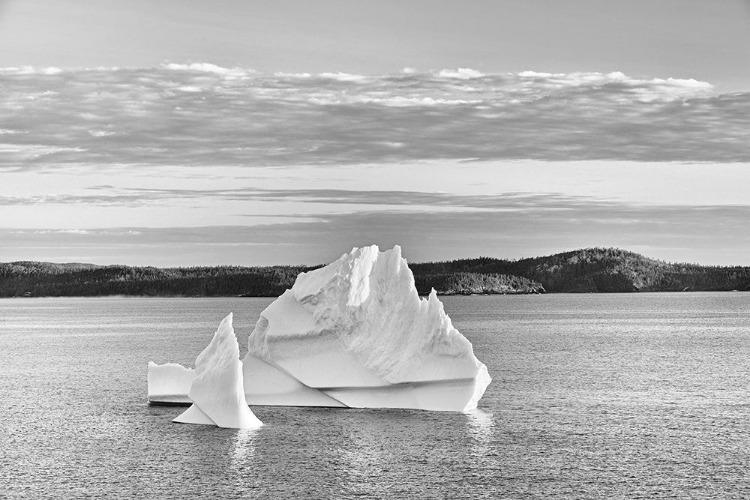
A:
(355, 334)
(357, 331)
(217, 389)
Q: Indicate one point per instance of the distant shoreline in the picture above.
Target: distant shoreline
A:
(591, 270)
(476, 295)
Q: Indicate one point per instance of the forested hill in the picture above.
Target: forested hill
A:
(588, 270)
(42, 279)
(602, 270)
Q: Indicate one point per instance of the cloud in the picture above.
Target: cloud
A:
(200, 114)
(377, 200)
(31, 70)
(460, 73)
(73, 231)
(100, 133)
(23, 152)
(207, 68)
(343, 77)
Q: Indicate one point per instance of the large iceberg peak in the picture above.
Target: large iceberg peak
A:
(347, 279)
(359, 323)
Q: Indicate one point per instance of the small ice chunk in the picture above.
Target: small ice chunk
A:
(217, 392)
(169, 383)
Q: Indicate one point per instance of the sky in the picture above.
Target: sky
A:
(186, 132)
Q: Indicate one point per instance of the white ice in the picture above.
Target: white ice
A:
(217, 391)
(357, 331)
(266, 384)
(356, 334)
(169, 383)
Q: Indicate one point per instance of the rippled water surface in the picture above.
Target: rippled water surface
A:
(594, 396)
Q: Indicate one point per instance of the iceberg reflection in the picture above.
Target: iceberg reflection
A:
(481, 428)
(481, 424)
(243, 445)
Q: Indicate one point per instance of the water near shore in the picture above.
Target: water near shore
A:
(594, 396)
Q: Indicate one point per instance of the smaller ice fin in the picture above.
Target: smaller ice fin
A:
(217, 391)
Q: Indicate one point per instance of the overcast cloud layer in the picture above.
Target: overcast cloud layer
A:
(202, 115)
(149, 166)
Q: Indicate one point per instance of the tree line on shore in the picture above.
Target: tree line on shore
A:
(43, 279)
(580, 271)
(602, 270)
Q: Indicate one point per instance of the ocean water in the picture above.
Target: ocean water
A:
(593, 396)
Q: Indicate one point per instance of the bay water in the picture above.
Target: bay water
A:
(593, 396)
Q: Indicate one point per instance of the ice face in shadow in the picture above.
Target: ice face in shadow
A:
(217, 391)
(266, 384)
(357, 331)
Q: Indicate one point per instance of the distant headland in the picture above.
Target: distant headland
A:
(589, 270)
